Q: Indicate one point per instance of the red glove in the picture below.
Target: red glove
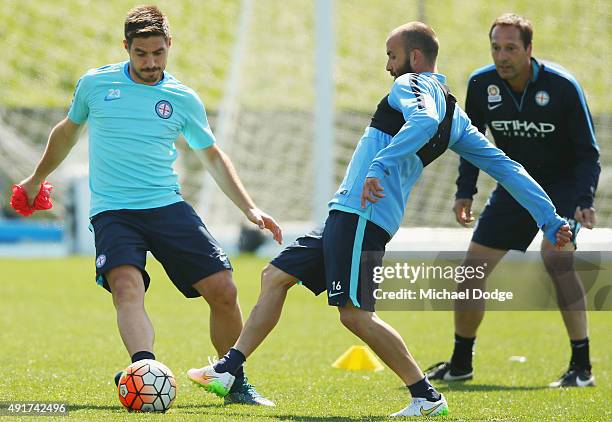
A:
(19, 199)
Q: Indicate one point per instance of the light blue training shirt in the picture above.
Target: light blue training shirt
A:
(132, 131)
(393, 159)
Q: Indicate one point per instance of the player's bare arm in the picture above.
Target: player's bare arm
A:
(61, 140)
(222, 170)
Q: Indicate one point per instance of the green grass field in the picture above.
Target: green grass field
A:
(59, 342)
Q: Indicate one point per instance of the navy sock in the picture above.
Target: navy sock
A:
(239, 375)
(462, 353)
(580, 354)
(424, 389)
(239, 381)
(142, 355)
(231, 362)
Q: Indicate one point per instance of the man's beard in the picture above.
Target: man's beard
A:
(406, 68)
(142, 73)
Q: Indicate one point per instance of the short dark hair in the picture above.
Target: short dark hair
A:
(420, 36)
(523, 25)
(145, 21)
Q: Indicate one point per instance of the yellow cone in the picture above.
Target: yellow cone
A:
(358, 358)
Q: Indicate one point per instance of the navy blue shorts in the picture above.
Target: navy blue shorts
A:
(505, 224)
(174, 234)
(330, 259)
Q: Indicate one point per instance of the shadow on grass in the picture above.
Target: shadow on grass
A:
(238, 415)
(469, 387)
(89, 406)
(211, 409)
(329, 418)
(233, 411)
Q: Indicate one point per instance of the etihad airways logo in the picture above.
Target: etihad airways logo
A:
(522, 128)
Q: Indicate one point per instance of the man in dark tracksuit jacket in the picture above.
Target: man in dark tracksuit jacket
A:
(538, 115)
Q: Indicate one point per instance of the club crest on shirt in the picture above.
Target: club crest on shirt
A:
(494, 95)
(163, 109)
(542, 98)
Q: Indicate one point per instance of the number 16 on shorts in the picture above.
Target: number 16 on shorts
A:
(336, 289)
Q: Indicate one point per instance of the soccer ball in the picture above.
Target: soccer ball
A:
(147, 386)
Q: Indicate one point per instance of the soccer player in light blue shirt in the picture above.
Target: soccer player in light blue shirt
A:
(412, 126)
(135, 111)
(132, 132)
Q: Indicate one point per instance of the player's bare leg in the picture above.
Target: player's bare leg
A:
(263, 318)
(569, 288)
(265, 315)
(469, 316)
(572, 304)
(383, 339)
(390, 347)
(227, 321)
(221, 294)
(135, 328)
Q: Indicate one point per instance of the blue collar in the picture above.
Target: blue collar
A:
(440, 77)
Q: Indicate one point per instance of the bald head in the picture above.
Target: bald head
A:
(417, 35)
